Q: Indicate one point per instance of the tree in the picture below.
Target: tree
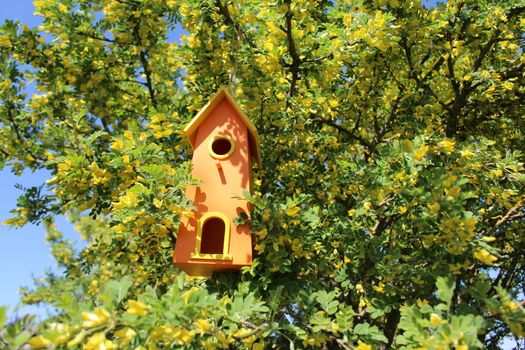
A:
(389, 207)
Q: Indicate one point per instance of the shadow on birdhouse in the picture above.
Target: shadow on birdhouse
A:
(224, 142)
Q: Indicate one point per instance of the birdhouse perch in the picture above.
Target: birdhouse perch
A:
(224, 142)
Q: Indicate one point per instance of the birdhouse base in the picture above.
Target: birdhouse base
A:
(206, 268)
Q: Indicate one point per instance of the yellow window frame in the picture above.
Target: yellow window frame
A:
(226, 243)
(221, 156)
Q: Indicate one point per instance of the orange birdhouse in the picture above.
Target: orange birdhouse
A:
(224, 142)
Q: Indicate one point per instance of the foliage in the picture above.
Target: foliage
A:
(389, 207)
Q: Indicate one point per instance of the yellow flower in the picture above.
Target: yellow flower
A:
(137, 308)
(363, 346)
(421, 152)
(61, 339)
(126, 333)
(98, 341)
(202, 326)
(118, 145)
(76, 340)
(100, 176)
(434, 207)
(402, 210)
(95, 318)
(447, 145)
(485, 257)
(258, 346)
(221, 337)
(467, 153)
(242, 333)
(380, 288)
(462, 347)
(63, 8)
(436, 320)
(157, 203)
(293, 211)
(362, 303)
(512, 305)
(4, 41)
(182, 336)
(39, 342)
(359, 288)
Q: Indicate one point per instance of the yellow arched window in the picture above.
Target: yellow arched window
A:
(213, 237)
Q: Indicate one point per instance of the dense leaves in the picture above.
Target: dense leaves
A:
(389, 208)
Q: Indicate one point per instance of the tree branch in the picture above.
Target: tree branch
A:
(145, 66)
(228, 19)
(511, 215)
(292, 49)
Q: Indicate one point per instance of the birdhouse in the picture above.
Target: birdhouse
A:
(225, 143)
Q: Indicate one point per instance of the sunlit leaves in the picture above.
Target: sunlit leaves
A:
(392, 140)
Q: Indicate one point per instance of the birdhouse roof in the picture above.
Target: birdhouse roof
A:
(191, 129)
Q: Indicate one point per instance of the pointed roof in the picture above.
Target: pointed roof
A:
(253, 138)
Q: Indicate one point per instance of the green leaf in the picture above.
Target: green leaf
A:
(445, 289)
(3, 315)
(241, 219)
(89, 140)
(327, 302)
(116, 291)
(21, 339)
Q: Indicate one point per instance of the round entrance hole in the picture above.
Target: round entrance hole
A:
(221, 147)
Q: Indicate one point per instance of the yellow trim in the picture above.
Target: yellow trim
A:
(226, 244)
(194, 124)
(221, 156)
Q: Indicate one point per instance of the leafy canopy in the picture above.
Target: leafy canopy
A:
(389, 207)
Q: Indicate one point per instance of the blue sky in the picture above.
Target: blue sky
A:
(23, 252)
